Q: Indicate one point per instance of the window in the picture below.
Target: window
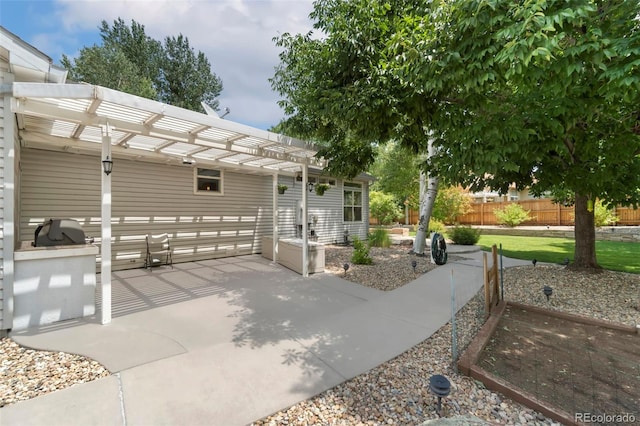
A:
(208, 181)
(352, 202)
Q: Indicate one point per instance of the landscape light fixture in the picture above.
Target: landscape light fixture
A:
(413, 265)
(534, 261)
(107, 166)
(346, 268)
(440, 386)
(548, 291)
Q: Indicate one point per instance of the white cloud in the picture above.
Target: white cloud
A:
(235, 35)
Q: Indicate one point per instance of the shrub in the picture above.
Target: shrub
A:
(436, 226)
(360, 254)
(512, 214)
(383, 207)
(603, 215)
(464, 235)
(451, 202)
(379, 238)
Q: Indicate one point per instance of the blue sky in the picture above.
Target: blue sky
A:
(235, 35)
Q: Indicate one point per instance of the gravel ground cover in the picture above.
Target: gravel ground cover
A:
(396, 392)
(27, 373)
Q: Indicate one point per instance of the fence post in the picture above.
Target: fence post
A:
(487, 292)
(454, 334)
(494, 272)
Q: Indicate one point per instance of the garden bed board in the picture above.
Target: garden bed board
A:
(584, 350)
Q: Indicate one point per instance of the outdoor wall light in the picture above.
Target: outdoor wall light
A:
(440, 386)
(310, 186)
(107, 166)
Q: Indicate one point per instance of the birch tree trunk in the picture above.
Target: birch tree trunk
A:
(428, 195)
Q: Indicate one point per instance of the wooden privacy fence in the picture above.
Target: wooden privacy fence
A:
(491, 282)
(544, 212)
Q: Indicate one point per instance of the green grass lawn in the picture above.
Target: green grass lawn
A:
(613, 255)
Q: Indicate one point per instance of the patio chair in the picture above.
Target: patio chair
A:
(158, 247)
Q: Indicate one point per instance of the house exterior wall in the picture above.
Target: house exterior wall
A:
(328, 208)
(7, 199)
(152, 198)
(3, 299)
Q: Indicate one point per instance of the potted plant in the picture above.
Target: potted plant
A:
(321, 188)
(282, 188)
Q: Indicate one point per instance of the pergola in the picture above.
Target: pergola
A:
(94, 119)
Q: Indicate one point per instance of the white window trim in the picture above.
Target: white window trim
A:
(207, 193)
(353, 189)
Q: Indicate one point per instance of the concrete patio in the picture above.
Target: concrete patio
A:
(229, 341)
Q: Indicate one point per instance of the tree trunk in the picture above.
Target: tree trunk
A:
(406, 213)
(427, 200)
(585, 235)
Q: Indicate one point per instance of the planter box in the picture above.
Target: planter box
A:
(290, 254)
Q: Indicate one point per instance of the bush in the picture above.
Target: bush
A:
(512, 214)
(451, 202)
(383, 207)
(464, 235)
(379, 238)
(360, 253)
(603, 215)
(436, 226)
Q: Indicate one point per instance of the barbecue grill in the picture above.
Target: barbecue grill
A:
(59, 232)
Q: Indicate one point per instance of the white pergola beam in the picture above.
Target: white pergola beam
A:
(78, 91)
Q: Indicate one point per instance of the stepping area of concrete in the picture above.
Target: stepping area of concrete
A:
(229, 341)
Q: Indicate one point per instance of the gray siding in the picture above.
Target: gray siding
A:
(328, 208)
(150, 198)
(5, 121)
(2, 204)
(147, 198)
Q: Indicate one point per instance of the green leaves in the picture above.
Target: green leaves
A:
(542, 93)
(130, 61)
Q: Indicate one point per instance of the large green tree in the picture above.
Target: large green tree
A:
(131, 61)
(543, 93)
(108, 66)
(397, 173)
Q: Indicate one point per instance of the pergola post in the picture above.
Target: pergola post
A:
(305, 230)
(275, 218)
(105, 245)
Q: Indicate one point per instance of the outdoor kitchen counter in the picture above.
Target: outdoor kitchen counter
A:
(53, 284)
(290, 254)
(28, 252)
